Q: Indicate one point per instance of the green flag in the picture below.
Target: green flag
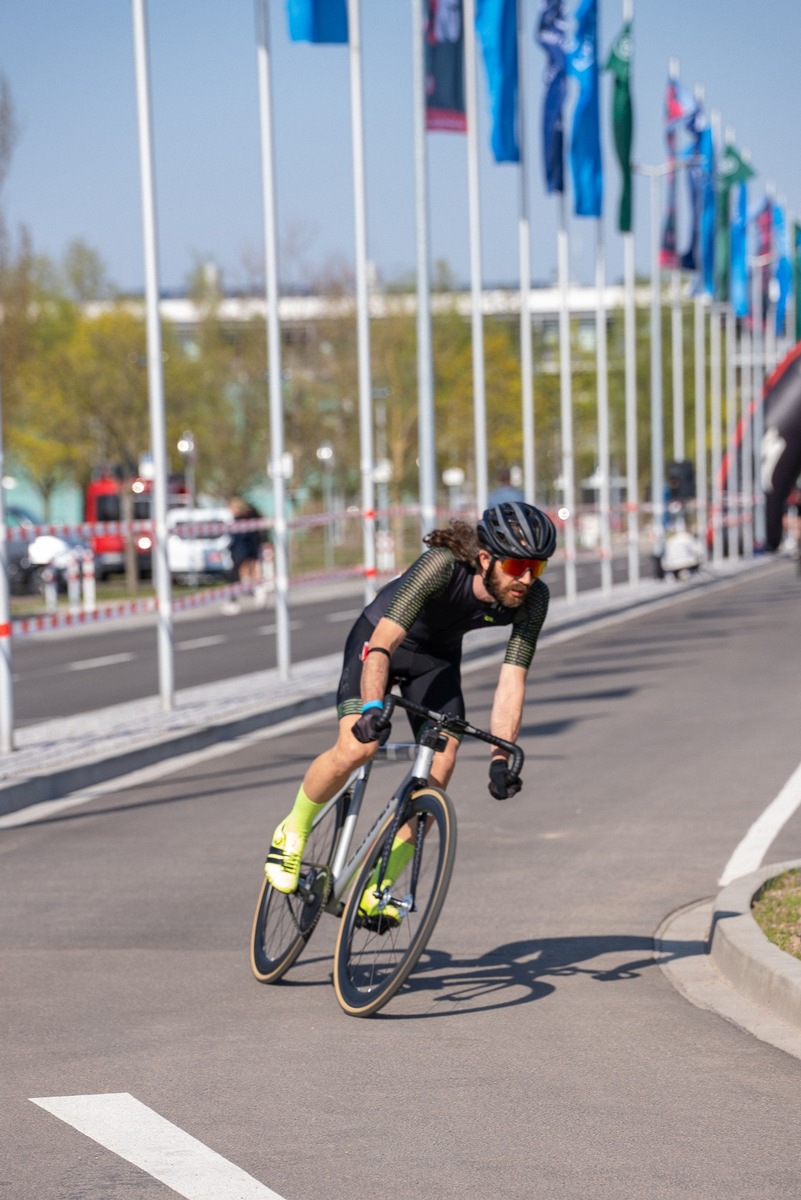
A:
(619, 63)
(732, 169)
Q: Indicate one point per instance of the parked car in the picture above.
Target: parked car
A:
(194, 556)
(28, 557)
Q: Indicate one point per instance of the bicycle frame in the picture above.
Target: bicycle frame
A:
(343, 868)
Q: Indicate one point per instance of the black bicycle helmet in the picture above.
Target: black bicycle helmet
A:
(516, 530)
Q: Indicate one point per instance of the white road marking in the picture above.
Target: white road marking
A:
(333, 618)
(136, 1133)
(752, 849)
(201, 643)
(272, 628)
(108, 660)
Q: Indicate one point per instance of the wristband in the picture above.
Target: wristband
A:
(378, 650)
(372, 704)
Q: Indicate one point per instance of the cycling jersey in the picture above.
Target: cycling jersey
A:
(434, 601)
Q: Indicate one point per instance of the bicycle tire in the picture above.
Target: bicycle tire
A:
(283, 924)
(372, 963)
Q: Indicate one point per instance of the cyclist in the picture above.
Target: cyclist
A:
(411, 634)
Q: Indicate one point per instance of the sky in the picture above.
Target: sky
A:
(75, 169)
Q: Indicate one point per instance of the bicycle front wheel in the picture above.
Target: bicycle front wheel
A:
(283, 924)
(374, 956)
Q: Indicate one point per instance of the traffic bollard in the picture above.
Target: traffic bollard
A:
(88, 580)
(73, 584)
(50, 588)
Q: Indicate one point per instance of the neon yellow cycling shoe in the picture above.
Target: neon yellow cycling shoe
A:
(282, 867)
(370, 906)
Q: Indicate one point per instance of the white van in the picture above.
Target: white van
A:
(197, 544)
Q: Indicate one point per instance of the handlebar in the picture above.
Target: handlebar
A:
(455, 724)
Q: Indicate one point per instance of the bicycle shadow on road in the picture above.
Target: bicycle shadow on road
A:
(523, 971)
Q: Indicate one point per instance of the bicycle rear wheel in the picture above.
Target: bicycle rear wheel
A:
(283, 924)
(375, 956)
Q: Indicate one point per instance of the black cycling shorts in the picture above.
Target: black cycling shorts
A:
(431, 680)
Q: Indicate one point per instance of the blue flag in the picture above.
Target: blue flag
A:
(739, 255)
(783, 269)
(585, 147)
(496, 25)
(318, 21)
(706, 152)
(552, 36)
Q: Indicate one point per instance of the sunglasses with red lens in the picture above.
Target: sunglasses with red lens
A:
(516, 567)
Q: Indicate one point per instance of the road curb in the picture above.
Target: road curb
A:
(757, 968)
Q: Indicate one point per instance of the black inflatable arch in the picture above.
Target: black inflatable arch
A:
(781, 443)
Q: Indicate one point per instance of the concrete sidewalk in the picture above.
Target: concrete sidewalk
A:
(57, 757)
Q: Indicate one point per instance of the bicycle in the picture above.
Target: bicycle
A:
(374, 954)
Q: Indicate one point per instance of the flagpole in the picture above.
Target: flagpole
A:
(746, 445)
(602, 375)
(367, 463)
(657, 413)
(426, 441)
(676, 334)
(699, 330)
(630, 356)
(566, 405)
(758, 381)
(155, 366)
(524, 256)
(732, 474)
(474, 208)
(630, 345)
(274, 375)
(715, 422)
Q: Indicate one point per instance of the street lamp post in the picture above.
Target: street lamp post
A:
(325, 456)
(186, 448)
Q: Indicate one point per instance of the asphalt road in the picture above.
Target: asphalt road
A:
(538, 1050)
(59, 674)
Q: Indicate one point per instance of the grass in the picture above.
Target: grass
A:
(777, 911)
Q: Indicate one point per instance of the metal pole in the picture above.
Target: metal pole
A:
(155, 377)
(630, 342)
(715, 422)
(758, 384)
(474, 206)
(566, 407)
(657, 417)
(6, 667)
(678, 366)
(524, 255)
(732, 474)
(362, 303)
(603, 409)
(699, 310)
(427, 450)
(283, 653)
(747, 450)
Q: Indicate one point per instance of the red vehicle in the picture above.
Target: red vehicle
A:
(103, 502)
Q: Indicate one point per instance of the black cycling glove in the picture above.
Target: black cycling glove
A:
(503, 782)
(370, 725)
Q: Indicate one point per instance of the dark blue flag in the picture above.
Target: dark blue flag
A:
(552, 36)
(496, 25)
(585, 145)
(318, 20)
(444, 56)
(706, 152)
